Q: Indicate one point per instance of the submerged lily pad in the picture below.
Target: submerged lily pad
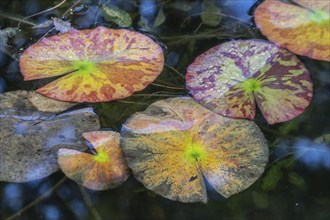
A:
(303, 27)
(176, 142)
(29, 138)
(232, 77)
(116, 15)
(211, 13)
(97, 65)
(105, 170)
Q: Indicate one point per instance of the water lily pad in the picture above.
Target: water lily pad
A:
(97, 65)
(211, 13)
(116, 15)
(231, 78)
(45, 104)
(29, 138)
(176, 142)
(303, 27)
(29, 104)
(107, 169)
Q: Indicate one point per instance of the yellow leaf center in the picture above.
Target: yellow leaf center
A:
(194, 152)
(251, 85)
(84, 66)
(101, 157)
(320, 17)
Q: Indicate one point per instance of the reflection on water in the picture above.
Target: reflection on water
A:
(294, 186)
(51, 212)
(313, 155)
(240, 11)
(12, 193)
(148, 9)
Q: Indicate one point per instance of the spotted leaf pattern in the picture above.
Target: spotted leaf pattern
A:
(95, 65)
(232, 78)
(104, 170)
(176, 143)
(302, 27)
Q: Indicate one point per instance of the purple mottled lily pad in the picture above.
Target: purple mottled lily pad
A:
(231, 78)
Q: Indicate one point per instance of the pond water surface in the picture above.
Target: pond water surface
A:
(296, 182)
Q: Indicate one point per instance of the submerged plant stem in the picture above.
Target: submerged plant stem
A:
(20, 20)
(96, 215)
(37, 200)
(72, 6)
(200, 36)
(173, 69)
(131, 102)
(41, 12)
(277, 133)
(158, 94)
(48, 9)
(168, 87)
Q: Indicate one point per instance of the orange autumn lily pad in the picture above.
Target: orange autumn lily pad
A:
(107, 169)
(176, 143)
(95, 65)
(302, 27)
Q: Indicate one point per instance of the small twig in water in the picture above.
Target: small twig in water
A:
(168, 87)
(156, 95)
(17, 19)
(131, 102)
(37, 200)
(172, 68)
(41, 12)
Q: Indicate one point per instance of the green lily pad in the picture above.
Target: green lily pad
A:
(176, 143)
(231, 78)
(30, 138)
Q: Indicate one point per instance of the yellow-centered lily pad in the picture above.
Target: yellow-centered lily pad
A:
(302, 27)
(234, 77)
(95, 65)
(176, 143)
(104, 170)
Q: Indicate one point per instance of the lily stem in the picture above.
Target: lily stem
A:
(89, 204)
(37, 200)
(168, 87)
(17, 19)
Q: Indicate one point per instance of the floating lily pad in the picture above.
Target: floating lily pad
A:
(29, 138)
(107, 169)
(232, 77)
(303, 27)
(95, 65)
(176, 142)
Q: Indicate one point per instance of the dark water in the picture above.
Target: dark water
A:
(296, 183)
